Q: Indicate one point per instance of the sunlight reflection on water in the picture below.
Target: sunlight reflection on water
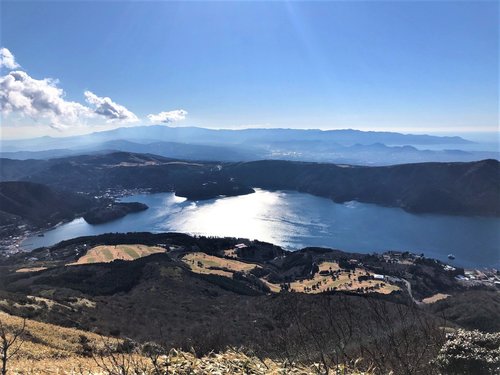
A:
(295, 220)
(264, 215)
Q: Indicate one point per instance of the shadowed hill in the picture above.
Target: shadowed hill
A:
(122, 170)
(39, 204)
(448, 188)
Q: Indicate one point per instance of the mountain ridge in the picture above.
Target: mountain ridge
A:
(448, 188)
(163, 129)
(232, 145)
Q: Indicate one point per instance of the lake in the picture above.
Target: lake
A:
(294, 220)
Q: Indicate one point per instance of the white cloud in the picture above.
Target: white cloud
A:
(168, 117)
(104, 106)
(7, 59)
(43, 101)
(39, 99)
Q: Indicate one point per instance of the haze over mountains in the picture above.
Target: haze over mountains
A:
(192, 143)
(197, 163)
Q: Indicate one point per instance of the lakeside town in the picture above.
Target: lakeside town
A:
(13, 235)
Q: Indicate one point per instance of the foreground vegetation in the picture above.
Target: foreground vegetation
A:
(40, 348)
(181, 299)
(46, 348)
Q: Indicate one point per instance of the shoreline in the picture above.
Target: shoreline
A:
(481, 270)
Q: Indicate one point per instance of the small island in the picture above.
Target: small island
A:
(112, 212)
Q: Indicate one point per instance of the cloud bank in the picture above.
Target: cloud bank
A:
(168, 117)
(104, 106)
(39, 99)
(7, 59)
(43, 101)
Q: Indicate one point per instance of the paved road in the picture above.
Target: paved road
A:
(408, 287)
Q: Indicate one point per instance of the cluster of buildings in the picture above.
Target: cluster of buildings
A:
(480, 277)
(399, 257)
(11, 244)
(118, 193)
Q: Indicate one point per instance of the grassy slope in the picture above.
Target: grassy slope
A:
(109, 253)
(47, 348)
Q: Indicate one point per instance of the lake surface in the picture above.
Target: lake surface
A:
(295, 220)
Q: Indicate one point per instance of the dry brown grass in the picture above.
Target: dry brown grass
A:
(202, 263)
(231, 253)
(231, 362)
(275, 288)
(342, 282)
(47, 348)
(238, 363)
(69, 365)
(47, 340)
(109, 253)
(32, 269)
(435, 298)
(209, 264)
(51, 349)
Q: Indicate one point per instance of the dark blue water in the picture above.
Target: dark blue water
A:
(295, 220)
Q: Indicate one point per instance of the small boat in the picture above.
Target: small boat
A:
(451, 256)
(41, 235)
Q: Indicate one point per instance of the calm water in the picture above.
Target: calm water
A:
(294, 220)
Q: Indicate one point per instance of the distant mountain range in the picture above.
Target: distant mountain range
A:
(190, 143)
(168, 149)
(195, 135)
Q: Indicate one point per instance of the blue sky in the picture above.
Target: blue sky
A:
(402, 66)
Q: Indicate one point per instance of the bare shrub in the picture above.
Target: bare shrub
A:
(340, 331)
(10, 342)
(119, 357)
(470, 352)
